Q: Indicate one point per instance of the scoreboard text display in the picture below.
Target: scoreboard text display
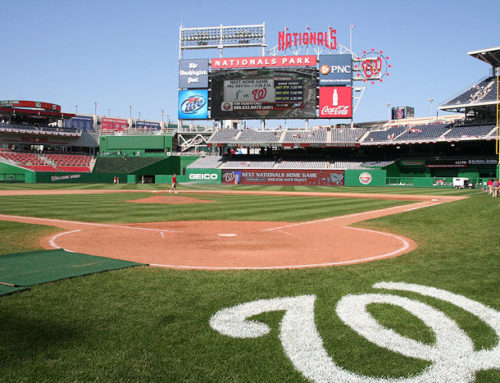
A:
(264, 93)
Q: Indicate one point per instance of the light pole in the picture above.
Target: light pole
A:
(388, 111)
(430, 101)
(109, 112)
(95, 108)
(76, 109)
(130, 111)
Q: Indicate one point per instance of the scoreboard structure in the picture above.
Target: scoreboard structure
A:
(283, 83)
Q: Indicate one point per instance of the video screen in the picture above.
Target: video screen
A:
(264, 93)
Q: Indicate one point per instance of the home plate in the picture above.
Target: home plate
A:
(227, 235)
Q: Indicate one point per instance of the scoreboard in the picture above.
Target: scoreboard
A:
(264, 93)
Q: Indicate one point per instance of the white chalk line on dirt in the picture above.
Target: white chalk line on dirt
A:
(52, 241)
(413, 207)
(20, 218)
(405, 246)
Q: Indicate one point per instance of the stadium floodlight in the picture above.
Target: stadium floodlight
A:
(431, 100)
(220, 37)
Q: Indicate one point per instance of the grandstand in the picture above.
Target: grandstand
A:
(48, 161)
(470, 132)
(427, 133)
(312, 136)
(384, 136)
(38, 137)
(249, 136)
(210, 162)
(345, 135)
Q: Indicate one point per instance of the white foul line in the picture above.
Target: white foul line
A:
(20, 218)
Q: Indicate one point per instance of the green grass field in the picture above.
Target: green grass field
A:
(147, 324)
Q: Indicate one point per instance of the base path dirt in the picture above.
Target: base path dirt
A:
(219, 245)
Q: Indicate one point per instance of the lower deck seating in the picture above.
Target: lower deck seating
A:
(43, 162)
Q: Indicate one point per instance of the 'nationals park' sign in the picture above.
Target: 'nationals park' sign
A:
(263, 61)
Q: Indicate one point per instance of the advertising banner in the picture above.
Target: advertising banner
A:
(148, 125)
(193, 104)
(335, 70)
(211, 176)
(80, 122)
(264, 62)
(193, 73)
(114, 124)
(283, 177)
(335, 102)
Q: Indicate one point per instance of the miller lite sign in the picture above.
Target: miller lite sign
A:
(335, 70)
(193, 104)
(335, 102)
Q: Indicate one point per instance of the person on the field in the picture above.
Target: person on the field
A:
(490, 186)
(173, 185)
(496, 186)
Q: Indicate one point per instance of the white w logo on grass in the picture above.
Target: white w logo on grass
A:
(452, 354)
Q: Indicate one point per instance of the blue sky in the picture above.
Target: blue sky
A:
(125, 53)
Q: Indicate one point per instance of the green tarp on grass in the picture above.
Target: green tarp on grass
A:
(4, 290)
(31, 268)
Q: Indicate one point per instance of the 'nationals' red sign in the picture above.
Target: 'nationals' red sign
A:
(264, 61)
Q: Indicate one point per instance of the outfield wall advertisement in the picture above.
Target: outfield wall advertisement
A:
(283, 177)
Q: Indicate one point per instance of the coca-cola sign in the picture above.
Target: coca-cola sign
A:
(335, 102)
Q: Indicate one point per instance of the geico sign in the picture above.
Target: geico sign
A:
(199, 177)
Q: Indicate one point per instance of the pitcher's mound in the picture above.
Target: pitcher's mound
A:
(170, 199)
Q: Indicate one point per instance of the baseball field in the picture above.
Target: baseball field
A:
(255, 284)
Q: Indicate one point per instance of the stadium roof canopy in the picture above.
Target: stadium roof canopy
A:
(483, 94)
(490, 56)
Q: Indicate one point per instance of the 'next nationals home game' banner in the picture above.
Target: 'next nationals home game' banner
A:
(283, 177)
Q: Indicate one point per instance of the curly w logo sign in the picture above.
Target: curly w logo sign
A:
(453, 356)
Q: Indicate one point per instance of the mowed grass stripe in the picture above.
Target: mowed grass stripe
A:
(114, 208)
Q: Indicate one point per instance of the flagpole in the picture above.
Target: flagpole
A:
(350, 37)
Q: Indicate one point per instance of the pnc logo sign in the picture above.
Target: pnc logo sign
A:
(204, 177)
(325, 69)
(335, 70)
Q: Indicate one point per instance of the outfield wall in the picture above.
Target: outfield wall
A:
(202, 176)
(11, 173)
(64, 177)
